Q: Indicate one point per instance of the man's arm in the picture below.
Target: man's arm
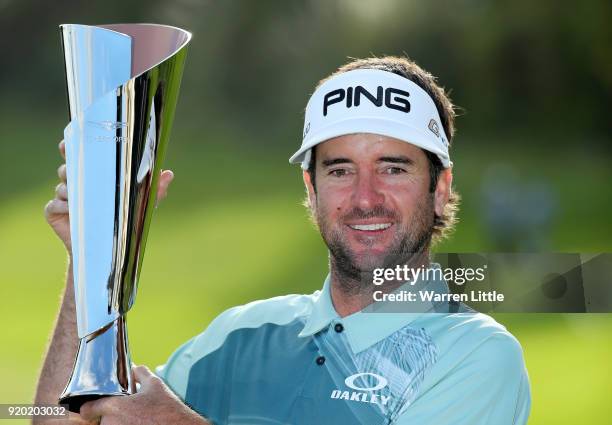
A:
(154, 402)
(60, 356)
(62, 350)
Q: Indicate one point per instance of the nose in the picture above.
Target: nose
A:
(366, 193)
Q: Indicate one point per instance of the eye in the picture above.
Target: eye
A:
(394, 170)
(339, 172)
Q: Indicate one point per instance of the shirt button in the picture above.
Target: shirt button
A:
(338, 328)
(320, 360)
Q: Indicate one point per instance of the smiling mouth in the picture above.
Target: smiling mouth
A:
(370, 227)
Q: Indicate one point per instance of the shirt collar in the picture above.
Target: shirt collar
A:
(323, 311)
(376, 321)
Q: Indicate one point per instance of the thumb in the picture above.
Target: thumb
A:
(165, 179)
(92, 410)
(143, 374)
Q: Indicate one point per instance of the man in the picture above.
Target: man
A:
(378, 177)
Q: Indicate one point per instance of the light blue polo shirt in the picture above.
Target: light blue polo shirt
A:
(293, 360)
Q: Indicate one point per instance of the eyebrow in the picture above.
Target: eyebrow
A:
(400, 159)
(334, 161)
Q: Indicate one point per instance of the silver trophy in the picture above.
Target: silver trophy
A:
(123, 83)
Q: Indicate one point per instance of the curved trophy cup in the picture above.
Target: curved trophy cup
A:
(123, 82)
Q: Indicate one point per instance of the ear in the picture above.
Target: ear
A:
(443, 190)
(312, 196)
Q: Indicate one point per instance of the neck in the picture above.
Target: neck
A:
(351, 294)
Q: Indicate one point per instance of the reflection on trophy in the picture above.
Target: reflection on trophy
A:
(123, 82)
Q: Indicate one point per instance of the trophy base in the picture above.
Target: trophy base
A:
(102, 367)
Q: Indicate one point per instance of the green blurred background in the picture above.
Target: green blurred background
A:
(531, 156)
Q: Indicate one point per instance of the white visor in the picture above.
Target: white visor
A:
(372, 101)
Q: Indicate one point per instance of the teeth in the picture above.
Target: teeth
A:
(377, 226)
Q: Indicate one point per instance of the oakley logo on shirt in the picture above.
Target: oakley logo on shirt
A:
(363, 393)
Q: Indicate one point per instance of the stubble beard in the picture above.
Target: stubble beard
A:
(410, 246)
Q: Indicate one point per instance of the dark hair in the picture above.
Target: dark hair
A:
(404, 67)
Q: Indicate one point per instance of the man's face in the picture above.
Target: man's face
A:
(372, 203)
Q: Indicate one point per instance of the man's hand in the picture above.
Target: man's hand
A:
(56, 210)
(154, 404)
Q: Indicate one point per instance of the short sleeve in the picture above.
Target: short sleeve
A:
(490, 386)
(175, 372)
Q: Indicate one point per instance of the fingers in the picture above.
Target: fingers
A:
(166, 176)
(143, 374)
(56, 206)
(93, 410)
(59, 204)
(61, 172)
(61, 192)
(165, 179)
